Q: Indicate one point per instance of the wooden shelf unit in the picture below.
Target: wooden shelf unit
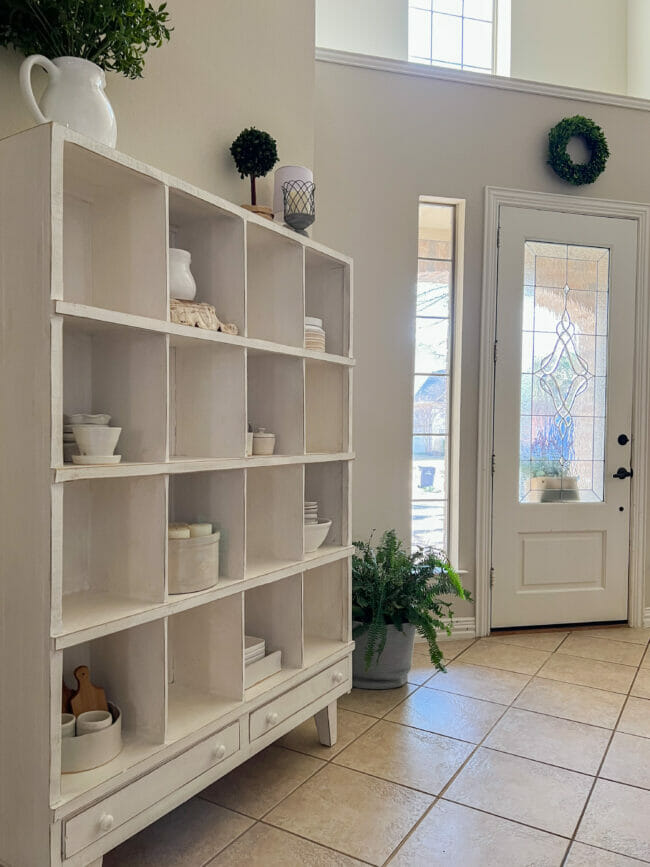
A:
(84, 237)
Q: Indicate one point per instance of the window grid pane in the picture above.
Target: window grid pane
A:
(430, 450)
(457, 34)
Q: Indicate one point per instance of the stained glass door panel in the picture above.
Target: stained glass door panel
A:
(563, 373)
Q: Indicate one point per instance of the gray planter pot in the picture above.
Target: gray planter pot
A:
(394, 664)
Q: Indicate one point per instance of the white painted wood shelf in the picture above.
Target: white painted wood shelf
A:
(84, 238)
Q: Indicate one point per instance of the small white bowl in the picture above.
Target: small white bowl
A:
(93, 721)
(68, 722)
(94, 439)
(87, 418)
(315, 535)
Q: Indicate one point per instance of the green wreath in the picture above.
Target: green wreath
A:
(560, 161)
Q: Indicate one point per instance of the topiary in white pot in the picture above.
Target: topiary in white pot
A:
(395, 595)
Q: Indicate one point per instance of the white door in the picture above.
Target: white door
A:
(562, 418)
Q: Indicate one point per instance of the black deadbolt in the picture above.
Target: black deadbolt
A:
(622, 473)
(623, 439)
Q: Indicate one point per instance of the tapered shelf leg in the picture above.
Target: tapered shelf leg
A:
(326, 725)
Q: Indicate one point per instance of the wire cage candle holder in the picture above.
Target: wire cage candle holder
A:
(299, 204)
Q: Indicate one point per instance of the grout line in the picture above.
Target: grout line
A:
(220, 852)
(314, 843)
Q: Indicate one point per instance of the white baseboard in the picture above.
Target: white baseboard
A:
(463, 627)
(646, 618)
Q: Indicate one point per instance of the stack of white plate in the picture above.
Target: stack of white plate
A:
(70, 446)
(311, 512)
(254, 649)
(314, 334)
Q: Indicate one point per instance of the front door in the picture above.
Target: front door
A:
(562, 418)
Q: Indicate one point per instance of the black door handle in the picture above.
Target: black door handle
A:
(622, 473)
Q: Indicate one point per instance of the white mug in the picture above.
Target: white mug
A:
(93, 721)
(68, 722)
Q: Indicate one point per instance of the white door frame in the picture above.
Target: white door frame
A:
(495, 197)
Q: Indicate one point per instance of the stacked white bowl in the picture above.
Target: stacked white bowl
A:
(314, 334)
(254, 649)
(311, 512)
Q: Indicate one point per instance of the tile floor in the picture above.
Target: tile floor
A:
(533, 750)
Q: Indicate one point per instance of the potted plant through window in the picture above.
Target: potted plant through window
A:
(394, 595)
(550, 484)
(75, 41)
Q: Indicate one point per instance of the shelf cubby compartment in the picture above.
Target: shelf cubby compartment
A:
(275, 389)
(326, 610)
(274, 612)
(274, 518)
(327, 419)
(208, 410)
(130, 667)
(112, 557)
(216, 498)
(215, 239)
(114, 236)
(123, 372)
(327, 296)
(205, 665)
(275, 301)
(328, 485)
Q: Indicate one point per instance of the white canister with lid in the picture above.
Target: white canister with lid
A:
(263, 442)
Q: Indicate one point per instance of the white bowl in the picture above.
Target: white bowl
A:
(94, 439)
(315, 535)
(101, 418)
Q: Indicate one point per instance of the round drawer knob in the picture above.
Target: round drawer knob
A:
(338, 677)
(271, 718)
(106, 822)
(219, 751)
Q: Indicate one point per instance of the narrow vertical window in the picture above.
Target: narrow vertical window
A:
(432, 389)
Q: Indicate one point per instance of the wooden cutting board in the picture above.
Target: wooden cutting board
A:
(66, 695)
(88, 696)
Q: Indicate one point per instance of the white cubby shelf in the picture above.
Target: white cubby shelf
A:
(88, 329)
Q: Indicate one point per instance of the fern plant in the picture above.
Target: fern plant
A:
(391, 586)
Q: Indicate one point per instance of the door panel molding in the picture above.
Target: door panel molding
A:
(495, 197)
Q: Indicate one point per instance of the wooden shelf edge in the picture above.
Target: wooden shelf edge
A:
(161, 753)
(73, 472)
(62, 639)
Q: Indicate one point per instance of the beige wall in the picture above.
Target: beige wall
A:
(638, 56)
(377, 27)
(382, 140)
(230, 64)
(581, 43)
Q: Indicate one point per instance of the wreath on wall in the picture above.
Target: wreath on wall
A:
(560, 161)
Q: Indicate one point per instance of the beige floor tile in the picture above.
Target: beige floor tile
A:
(409, 756)
(645, 662)
(589, 672)
(616, 819)
(571, 745)
(421, 668)
(587, 856)
(549, 641)
(375, 702)
(585, 645)
(271, 847)
(628, 760)
(543, 796)
(579, 703)
(635, 719)
(260, 783)
(304, 738)
(455, 716)
(476, 681)
(641, 685)
(451, 835)
(453, 647)
(622, 633)
(495, 654)
(359, 815)
(189, 836)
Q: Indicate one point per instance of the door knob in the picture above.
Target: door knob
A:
(622, 473)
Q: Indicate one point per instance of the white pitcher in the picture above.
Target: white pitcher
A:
(74, 96)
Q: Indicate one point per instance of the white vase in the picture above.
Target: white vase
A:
(74, 96)
(181, 282)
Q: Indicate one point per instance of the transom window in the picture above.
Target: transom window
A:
(458, 34)
(431, 387)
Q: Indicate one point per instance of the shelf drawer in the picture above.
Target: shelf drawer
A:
(270, 715)
(93, 824)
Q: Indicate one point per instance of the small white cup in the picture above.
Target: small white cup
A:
(68, 722)
(93, 721)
